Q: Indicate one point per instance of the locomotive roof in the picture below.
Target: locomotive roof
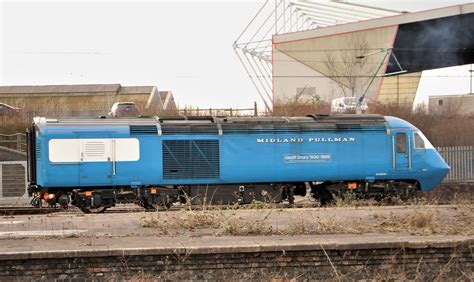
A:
(182, 120)
(224, 125)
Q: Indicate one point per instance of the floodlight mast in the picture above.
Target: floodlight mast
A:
(254, 46)
(387, 51)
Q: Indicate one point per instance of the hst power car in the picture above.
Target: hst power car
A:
(95, 163)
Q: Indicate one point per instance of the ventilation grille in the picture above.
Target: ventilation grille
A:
(94, 149)
(38, 150)
(303, 129)
(143, 129)
(189, 130)
(190, 159)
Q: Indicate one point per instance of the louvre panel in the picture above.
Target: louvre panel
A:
(38, 150)
(189, 129)
(190, 159)
(94, 149)
(38, 160)
(143, 129)
(303, 129)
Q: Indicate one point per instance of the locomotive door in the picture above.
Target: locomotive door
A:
(401, 151)
(96, 161)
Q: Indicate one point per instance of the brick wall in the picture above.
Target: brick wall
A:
(364, 261)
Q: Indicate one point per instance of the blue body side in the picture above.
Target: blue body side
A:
(252, 158)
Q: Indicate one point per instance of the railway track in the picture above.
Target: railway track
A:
(8, 211)
(131, 208)
(124, 208)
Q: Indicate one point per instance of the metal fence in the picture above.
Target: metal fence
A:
(13, 182)
(15, 141)
(222, 112)
(460, 159)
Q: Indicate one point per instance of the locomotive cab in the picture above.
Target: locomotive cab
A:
(427, 162)
(414, 155)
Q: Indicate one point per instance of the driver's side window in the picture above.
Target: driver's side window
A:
(401, 142)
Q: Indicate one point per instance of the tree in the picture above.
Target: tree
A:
(348, 70)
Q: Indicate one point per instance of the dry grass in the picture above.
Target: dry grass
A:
(331, 225)
(417, 219)
(454, 194)
(183, 221)
(442, 128)
(15, 124)
(421, 222)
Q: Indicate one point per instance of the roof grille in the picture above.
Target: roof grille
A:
(302, 128)
(173, 129)
(143, 130)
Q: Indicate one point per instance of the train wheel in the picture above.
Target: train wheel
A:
(93, 210)
(36, 202)
(150, 208)
(166, 202)
(321, 194)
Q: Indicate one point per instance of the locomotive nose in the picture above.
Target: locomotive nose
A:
(436, 171)
(444, 169)
(440, 167)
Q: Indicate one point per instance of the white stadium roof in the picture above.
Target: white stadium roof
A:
(254, 45)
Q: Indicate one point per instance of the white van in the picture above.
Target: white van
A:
(340, 105)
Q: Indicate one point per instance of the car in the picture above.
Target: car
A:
(345, 104)
(124, 109)
(7, 110)
(94, 164)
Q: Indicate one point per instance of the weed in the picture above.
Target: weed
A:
(420, 220)
(347, 199)
(241, 227)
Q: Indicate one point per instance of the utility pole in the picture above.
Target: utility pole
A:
(398, 90)
(470, 86)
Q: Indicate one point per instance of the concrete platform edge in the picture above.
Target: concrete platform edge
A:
(100, 251)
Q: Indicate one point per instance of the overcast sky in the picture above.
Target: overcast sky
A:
(182, 46)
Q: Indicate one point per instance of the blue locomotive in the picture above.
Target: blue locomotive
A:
(95, 163)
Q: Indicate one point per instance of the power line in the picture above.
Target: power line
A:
(352, 62)
(444, 50)
(362, 76)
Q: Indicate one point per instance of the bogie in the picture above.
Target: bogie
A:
(327, 192)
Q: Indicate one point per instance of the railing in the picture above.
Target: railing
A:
(461, 161)
(220, 112)
(15, 141)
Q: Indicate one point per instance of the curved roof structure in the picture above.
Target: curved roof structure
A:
(334, 49)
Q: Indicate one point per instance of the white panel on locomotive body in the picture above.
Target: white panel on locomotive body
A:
(94, 150)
